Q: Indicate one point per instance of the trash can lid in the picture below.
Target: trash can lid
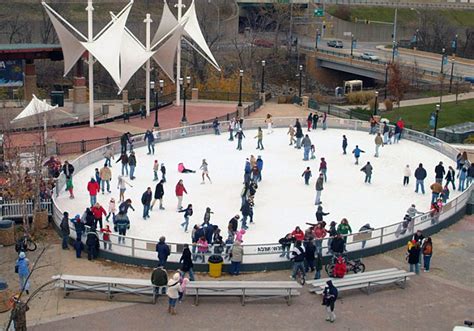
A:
(3, 284)
(215, 259)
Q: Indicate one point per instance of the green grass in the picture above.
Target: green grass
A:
(405, 15)
(417, 117)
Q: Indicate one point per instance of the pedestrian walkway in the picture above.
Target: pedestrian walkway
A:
(169, 117)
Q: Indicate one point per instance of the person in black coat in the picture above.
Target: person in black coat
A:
(450, 177)
(309, 251)
(315, 121)
(187, 262)
(65, 231)
(146, 201)
(299, 134)
(93, 245)
(414, 257)
(124, 140)
(68, 169)
(420, 175)
(439, 171)
(159, 192)
(329, 299)
(233, 223)
(338, 244)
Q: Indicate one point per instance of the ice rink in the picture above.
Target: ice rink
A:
(282, 201)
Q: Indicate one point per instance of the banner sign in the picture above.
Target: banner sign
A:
(11, 73)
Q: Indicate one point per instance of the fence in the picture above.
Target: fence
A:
(266, 255)
(14, 208)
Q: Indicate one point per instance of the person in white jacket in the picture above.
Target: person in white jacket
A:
(406, 175)
(174, 287)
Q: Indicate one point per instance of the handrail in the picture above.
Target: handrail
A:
(139, 247)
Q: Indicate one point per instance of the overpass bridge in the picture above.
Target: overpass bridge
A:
(374, 69)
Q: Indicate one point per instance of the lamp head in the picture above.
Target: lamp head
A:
(162, 83)
(263, 63)
(188, 80)
(181, 81)
(241, 72)
(152, 85)
(301, 67)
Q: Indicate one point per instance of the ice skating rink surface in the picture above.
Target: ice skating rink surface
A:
(282, 200)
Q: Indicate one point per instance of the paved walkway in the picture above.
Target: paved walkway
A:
(169, 117)
(437, 300)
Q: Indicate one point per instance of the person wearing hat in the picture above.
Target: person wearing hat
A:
(319, 188)
(174, 287)
(19, 313)
(22, 267)
(329, 300)
(414, 257)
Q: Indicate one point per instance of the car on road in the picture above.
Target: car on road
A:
(369, 56)
(335, 43)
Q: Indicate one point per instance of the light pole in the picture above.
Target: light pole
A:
(301, 77)
(262, 88)
(386, 81)
(394, 46)
(161, 84)
(241, 75)
(317, 38)
(352, 45)
(218, 16)
(442, 77)
(184, 87)
(451, 78)
(438, 108)
(376, 103)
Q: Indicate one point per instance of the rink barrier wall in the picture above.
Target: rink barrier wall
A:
(260, 257)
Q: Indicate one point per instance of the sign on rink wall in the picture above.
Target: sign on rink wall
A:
(11, 73)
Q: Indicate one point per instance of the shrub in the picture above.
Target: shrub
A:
(359, 98)
(343, 12)
(388, 104)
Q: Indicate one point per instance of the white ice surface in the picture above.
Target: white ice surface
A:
(282, 200)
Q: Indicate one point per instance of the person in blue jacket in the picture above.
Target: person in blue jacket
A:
(260, 167)
(150, 139)
(356, 153)
(247, 171)
(344, 144)
(22, 267)
(163, 251)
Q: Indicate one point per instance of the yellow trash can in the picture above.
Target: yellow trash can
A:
(215, 265)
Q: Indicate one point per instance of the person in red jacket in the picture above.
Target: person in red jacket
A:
(97, 210)
(298, 234)
(93, 188)
(180, 190)
(319, 234)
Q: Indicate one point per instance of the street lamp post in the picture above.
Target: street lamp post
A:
(152, 86)
(451, 78)
(262, 88)
(376, 103)
(184, 87)
(317, 38)
(241, 75)
(442, 77)
(438, 108)
(386, 81)
(394, 46)
(352, 45)
(301, 79)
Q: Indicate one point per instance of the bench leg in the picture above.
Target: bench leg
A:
(368, 289)
(196, 300)
(288, 301)
(243, 297)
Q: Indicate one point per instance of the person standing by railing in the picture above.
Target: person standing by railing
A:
(163, 251)
(462, 178)
(215, 126)
(450, 177)
(325, 121)
(109, 155)
(150, 139)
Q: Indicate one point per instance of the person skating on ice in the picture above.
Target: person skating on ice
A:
(291, 132)
(159, 192)
(344, 144)
(156, 168)
(259, 164)
(378, 142)
(239, 135)
(367, 169)
(205, 171)
(357, 151)
(188, 212)
(307, 175)
(406, 175)
(180, 190)
(306, 142)
(259, 138)
(163, 172)
(299, 134)
(323, 168)
(319, 189)
(269, 122)
(182, 169)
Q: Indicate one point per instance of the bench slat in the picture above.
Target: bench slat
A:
(375, 272)
(363, 285)
(360, 278)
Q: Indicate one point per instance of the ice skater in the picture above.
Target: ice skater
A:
(385, 132)
(259, 138)
(259, 164)
(205, 171)
(163, 172)
(309, 121)
(188, 212)
(122, 187)
(299, 134)
(319, 189)
(182, 169)
(146, 201)
(180, 190)
(307, 147)
(239, 135)
(132, 162)
(291, 133)
(313, 150)
(378, 142)
(344, 144)
(150, 139)
(367, 169)
(406, 175)
(323, 168)
(231, 129)
(207, 216)
(247, 172)
(159, 192)
(356, 153)
(111, 210)
(325, 121)
(156, 168)
(269, 122)
(307, 175)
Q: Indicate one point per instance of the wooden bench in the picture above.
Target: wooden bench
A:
(365, 280)
(111, 286)
(247, 290)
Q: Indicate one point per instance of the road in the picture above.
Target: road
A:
(423, 61)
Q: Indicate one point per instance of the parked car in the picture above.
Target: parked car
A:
(369, 56)
(335, 43)
(263, 43)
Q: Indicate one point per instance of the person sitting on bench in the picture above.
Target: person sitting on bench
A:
(182, 168)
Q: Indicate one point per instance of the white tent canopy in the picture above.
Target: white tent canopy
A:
(38, 107)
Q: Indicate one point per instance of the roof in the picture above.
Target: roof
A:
(30, 51)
